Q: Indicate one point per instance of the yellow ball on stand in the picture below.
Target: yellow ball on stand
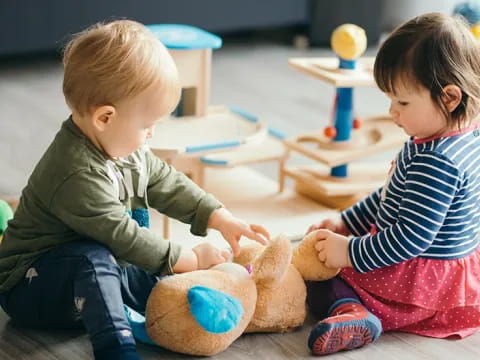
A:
(349, 41)
(476, 30)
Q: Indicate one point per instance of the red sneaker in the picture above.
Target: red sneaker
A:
(349, 326)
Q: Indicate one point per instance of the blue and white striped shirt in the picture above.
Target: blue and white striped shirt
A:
(429, 207)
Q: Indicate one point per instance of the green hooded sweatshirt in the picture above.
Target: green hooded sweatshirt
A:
(76, 192)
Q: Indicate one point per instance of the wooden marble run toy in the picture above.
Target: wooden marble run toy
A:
(197, 135)
(347, 139)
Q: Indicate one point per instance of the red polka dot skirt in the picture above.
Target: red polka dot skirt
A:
(430, 297)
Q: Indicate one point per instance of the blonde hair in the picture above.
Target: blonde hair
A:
(433, 50)
(108, 63)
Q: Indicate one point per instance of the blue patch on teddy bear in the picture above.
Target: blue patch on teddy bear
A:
(214, 310)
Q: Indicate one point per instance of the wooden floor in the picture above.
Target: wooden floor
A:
(252, 74)
(20, 344)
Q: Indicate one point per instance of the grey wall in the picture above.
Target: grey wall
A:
(396, 12)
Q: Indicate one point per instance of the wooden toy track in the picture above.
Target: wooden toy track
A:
(221, 129)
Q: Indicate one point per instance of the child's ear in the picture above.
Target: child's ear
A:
(451, 97)
(102, 116)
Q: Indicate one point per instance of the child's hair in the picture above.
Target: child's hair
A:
(431, 51)
(108, 63)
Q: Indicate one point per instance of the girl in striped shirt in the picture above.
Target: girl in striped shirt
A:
(409, 251)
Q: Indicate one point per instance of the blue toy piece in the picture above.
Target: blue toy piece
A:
(222, 162)
(213, 146)
(185, 37)
(470, 10)
(141, 216)
(349, 42)
(343, 116)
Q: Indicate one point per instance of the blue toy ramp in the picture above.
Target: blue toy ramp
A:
(185, 37)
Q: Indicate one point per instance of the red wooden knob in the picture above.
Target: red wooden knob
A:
(330, 132)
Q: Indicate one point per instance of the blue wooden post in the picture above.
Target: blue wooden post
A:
(343, 116)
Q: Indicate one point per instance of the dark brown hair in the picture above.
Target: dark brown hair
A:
(431, 51)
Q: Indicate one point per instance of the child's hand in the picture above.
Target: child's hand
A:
(232, 229)
(333, 249)
(334, 224)
(208, 255)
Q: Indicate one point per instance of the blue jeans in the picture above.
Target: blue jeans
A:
(80, 284)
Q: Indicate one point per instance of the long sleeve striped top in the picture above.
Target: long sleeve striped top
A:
(429, 206)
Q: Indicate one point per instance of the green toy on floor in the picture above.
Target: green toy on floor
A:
(6, 214)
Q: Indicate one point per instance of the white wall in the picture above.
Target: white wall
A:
(396, 12)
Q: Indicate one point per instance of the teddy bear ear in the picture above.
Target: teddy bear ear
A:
(271, 265)
(305, 259)
(249, 253)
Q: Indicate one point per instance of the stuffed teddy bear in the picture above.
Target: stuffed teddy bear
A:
(203, 312)
(280, 303)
